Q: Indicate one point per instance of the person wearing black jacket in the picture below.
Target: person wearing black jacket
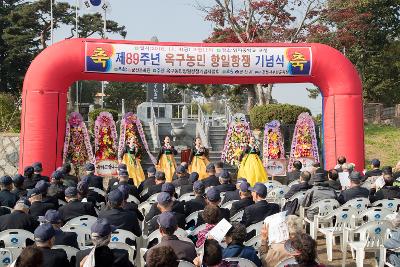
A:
(160, 180)
(57, 188)
(18, 181)
(150, 180)
(304, 185)
(37, 175)
(199, 202)
(92, 179)
(129, 206)
(234, 195)
(388, 191)
(123, 178)
(117, 216)
(87, 195)
(44, 240)
(61, 238)
(213, 198)
(182, 178)
(333, 181)
(193, 177)
(38, 208)
(43, 186)
(74, 208)
(245, 199)
(225, 182)
(211, 180)
(6, 197)
(376, 171)
(19, 218)
(295, 173)
(355, 190)
(28, 175)
(69, 179)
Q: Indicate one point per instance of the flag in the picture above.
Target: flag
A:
(96, 5)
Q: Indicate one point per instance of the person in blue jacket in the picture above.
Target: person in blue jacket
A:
(234, 239)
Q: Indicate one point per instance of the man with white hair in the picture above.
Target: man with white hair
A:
(19, 218)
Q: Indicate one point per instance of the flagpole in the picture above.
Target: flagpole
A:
(77, 36)
(104, 35)
(51, 22)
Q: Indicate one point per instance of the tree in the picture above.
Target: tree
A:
(133, 93)
(25, 28)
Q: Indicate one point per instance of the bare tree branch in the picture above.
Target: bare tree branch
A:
(300, 27)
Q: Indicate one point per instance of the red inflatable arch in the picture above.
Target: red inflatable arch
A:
(52, 72)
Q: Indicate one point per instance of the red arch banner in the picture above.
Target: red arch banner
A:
(52, 72)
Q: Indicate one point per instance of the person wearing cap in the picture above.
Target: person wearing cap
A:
(166, 160)
(117, 216)
(319, 191)
(38, 208)
(43, 186)
(388, 191)
(92, 179)
(245, 199)
(18, 182)
(44, 239)
(177, 206)
(69, 179)
(211, 179)
(182, 177)
(197, 203)
(355, 190)
(123, 179)
(87, 195)
(131, 157)
(104, 256)
(376, 171)
(167, 226)
(213, 198)
(28, 175)
(219, 167)
(198, 159)
(234, 195)
(294, 174)
(75, 208)
(160, 180)
(188, 188)
(261, 208)
(37, 173)
(129, 206)
(19, 218)
(225, 182)
(303, 185)
(61, 238)
(7, 198)
(251, 165)
(164, 204)
(57, 187)
(150, 180)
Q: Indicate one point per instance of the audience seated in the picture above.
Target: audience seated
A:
(355, 190)
(333, 179)
(303, 185)
(211, 180)
(123, 179)
(18, 182)
(44, 240)
(199, 202)
(213, 198)
(74, 208)
(225, 182)
(38, 208)
(7, 198)
(37, 173)
(19, 218)
(43, 186)
(295, 173)
(210, 216)
(87, 195)
(188, 188)
(234, 195)
(184, 250)
(341, 160)
(150, 180)
(212, 256)
(69, 179)
(160, 180)
(246, 199)
(57, 187)
(304, 250)
(182, 177)
(92, 179)
(319, 191)
(162, 257)
(28, 178)
(30, 257)
(129, 206)
(376, 171)
(386, 192)
(117, 216)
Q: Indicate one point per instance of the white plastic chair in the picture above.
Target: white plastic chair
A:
(369, 182)
(83, 233)
(292, 183)
(372, 235)
(6, 257)
(145, 207)
(121, 235)
(144, 192)
(133, 199)
(254, 242)
(256, 226)
(185, 264)
(186, 197)
(71, 251)
(123, 246)
(153, 198)
(359, 204)
(342, 217)
(98, 191)
(180, 233)
(382, 255)
(222, 195)
(178, 190)
(370, 215)
(288, 261)
(142, 251)
(271, 184)
(15, 238)
(193, 217)
(390, 204)
(237, 217)
(241, 262)
(228, 205)
(299, 196)
(277, 193)
(324, 208)
(84, 220)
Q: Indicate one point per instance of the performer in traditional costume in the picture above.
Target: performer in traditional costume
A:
(198, 160)
(131, 158)
(165, 160)
(251, 166)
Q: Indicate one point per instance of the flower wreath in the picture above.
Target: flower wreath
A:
(77, 147)
(105, 141)
(273, 143)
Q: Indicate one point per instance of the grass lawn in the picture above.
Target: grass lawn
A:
(382, 142)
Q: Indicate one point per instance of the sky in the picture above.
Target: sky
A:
(181, 21)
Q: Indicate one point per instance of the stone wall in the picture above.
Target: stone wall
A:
(9, 153)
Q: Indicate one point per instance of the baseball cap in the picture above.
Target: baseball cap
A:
(51, 216)
(180, 169)
(210, 167)
(115, 196)
(28, 170)
(355, 176)
(24, 201)
(160, 175)
(260, 189)
(168, 187)
(164, 198)
(6, 180)
(33, 192)
(42, 186)
(102, 228)
(167, 220)
(240, 180)
(71, 191)
(18, 179)
(124, 188)
(213, 195)
(122, 166)
(244, 187)
(57, 175)
(151, 169)
(123, 173)
(44, 232)
(82, 187)
(225, 175)
(375, 162)
(193, 177)
(89, 167)
(37, 166)
(199, 186)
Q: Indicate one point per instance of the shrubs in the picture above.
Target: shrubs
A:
(10, 115)
(285, 113)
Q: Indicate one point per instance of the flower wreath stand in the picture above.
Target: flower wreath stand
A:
(273, 150)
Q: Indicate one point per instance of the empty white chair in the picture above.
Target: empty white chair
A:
(293, 183)
(185, 264)
(193, 217)
(6, 257)
(84, 220)
(277, 193)
(98, 191)
(359, 204)
(15, 238)
(123, 246)
(241, 262)
(371, 237)
(271, 184)
(370, 215)
(324, 208)
(186, 197)
(82, 232)
(283, 263)
(342, 217)
(71, 251)
(237, 217)
(133, 199)
(256, 226)
(390, 204)
(228, 205)
(254, 242)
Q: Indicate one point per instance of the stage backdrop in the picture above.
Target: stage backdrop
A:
(58, 66)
